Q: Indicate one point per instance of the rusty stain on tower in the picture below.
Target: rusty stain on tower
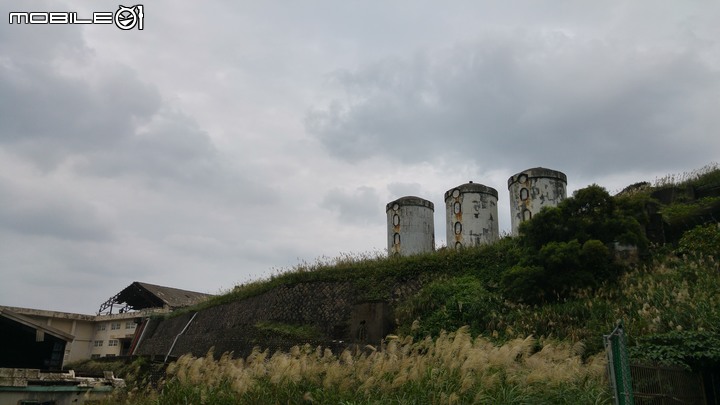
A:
(532, 190)
(471, 213)
(411, 226)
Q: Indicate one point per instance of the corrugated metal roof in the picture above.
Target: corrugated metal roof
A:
(145, 295)
(175, 297)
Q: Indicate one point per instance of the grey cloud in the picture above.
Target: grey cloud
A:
(172, 151)
(52, 113)
(39, 43)
(53, 220)
(171, 145)
(110, 124)
(593, 105)
(41, 214)
(398, 190)
(65, 274)
(359, 206)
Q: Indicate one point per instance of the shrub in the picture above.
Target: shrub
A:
(559, 268)
(701, 240)
(591, 213)
(525, 283)
(566, 247)
(689, 349)
(448, 304)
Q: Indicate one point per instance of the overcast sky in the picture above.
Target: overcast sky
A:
(230, 138)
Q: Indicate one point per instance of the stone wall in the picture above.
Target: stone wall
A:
(329, 307)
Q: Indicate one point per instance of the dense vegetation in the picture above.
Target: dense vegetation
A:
(524, 309)
(451, 369)
(571, 247)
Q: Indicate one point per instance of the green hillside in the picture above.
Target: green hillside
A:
(561, 277)
(645, 256)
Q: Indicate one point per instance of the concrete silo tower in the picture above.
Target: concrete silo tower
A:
(472, 215)
(533, 189)
(411, 226)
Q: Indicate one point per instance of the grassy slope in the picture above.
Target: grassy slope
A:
(662, 295)
(556, 365)
(669, 297)
(669, 293)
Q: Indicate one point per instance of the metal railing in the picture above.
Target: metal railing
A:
(657, 385)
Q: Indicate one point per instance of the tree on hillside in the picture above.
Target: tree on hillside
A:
(591, 213)
(570, 246)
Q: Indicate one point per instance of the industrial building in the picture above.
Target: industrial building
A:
(471, 215)
(471, 212)
(43, 339)
(532, 190)
(410, 226)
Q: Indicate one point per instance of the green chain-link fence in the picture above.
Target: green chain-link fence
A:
(619, 366)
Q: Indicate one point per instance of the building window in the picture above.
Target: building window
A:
(94, 356)
(101, 326)
(113, 342)
(458, 228)
(115, 326)
(130, 325)
(527, 215)
(98, 343)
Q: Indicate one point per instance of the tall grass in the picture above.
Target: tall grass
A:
(708, 174)
(671, 294)
(454, 368)
(558, 365)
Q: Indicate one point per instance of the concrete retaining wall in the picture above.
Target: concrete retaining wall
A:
(330, 307)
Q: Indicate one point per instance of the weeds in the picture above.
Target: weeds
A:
(705, 175)
(452, 369)
(531, 354)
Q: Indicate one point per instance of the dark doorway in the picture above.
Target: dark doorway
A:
(125, 347)
(22, 346)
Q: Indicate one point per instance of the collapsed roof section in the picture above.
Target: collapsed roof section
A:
(139, 296)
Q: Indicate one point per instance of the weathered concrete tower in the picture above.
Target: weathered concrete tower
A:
(472, 215)
(411, 226)
(533, 189)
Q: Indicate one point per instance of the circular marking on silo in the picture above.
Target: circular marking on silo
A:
(396, 239)
(456, 193)
(395, 207)
(396, 219)
(456, 207)
(458, 245)
(524, 194)
(522, 178)
(527, 215)
(458, 228)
